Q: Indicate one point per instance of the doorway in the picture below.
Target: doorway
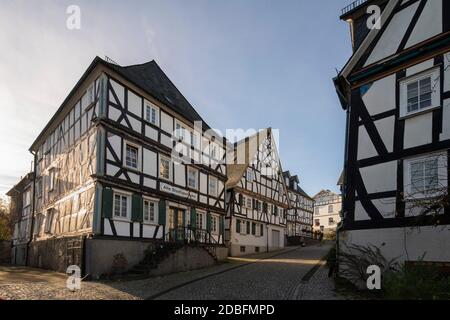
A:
(177, 218)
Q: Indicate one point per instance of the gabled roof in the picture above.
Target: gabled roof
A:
(324, 193)
(19, 187)
(148, 77)
(235, 171)
(287, 174)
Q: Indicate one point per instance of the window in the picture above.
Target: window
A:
(121, 206)
(425, 176)
(215, 224)
(242, 249)
(247, 227)
(238, 226)
(256, 249)
(213, 149)
(199, 221)
(152, 114)
(420, 92)
(27, 198)
(212, 186)
(331, 221)
(149, 214)
(192, 176)
(249, 175)
(52, 174)
(249, 203)
(330, 209)
(165, 168)
(131, 156)
(253, 228)
(48, 221)
(261, 231)
(39, 188)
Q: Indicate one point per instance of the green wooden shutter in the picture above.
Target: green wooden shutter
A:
(222, 225)
(193, 218)
(162, 212)
(136, 208)
(208, 222)
(107, 203)
(262, 230)
(238, 226)
(253, 228)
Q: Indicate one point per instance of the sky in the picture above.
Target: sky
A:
(240, 63)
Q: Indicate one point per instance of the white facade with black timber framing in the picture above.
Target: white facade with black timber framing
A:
(256, 195)
(125, 158)
(396, 92)
(299, 216)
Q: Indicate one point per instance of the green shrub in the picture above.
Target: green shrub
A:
(416, 283)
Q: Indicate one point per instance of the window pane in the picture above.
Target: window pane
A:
(117, 205)
(124, 207)
(131, 156)
(425, 100)
(413, 90)
(152, 211)
(146, 211)
(164, 168)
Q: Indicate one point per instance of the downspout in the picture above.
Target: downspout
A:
(32, 209)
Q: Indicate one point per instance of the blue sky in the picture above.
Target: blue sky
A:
(241, 64)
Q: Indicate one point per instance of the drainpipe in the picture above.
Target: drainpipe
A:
(267, 236)
(32, 209)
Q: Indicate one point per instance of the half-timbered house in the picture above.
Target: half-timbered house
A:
(299, 216)
(327, 211)
(125, 160)
(21, 213)
(395, 90)
(256, 195)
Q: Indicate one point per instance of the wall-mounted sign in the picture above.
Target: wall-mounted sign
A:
(164, 187)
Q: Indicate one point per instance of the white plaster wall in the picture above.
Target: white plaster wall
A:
(151, 183)
(114, 113)
(447, 72)
(167, 141)
(446, 121)
(387, 207)
(429, 23)
(116, 144)
(420, 67)
(149, 165)
(360, 212)
(391, 38)
(385, 128)
(381, 177)
(122, 228)
(381, 96)
(180, 175)
(418, 130)
(120, 92)
(166, 123)
(203, 183)
(366, 148)
(430, 240)
(151, 133)
(134, 104)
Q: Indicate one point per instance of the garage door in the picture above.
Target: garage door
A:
(275, 238)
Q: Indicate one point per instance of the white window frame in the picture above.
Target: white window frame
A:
(442, 175)
(52, 176)
(434, 73)
(214, 224)
(189, 170)
(151, 106)
(216, 193)
(155, 203)
(161, 157)
(202, 216)
(128, 197)
(49, 220)
(139, 155)
(249, 202)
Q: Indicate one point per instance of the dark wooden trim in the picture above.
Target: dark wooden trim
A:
(412, 24)
(446, 15)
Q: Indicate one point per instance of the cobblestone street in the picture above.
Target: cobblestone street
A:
(278, 275)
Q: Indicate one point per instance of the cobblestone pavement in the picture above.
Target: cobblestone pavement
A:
(264, 276)
(278, 278)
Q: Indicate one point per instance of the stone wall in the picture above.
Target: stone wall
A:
(5, 252)
(56, 254)
(105, 256)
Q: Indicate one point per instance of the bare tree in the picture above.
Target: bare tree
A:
(5, 221)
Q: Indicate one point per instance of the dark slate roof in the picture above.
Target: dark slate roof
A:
(147, 76)
(287, 174)
(150, 78)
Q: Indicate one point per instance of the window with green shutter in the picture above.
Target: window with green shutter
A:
(248, 227)
(238, 226)
(253, 228)
(162, 212)
(193, 218)
(262, 229)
